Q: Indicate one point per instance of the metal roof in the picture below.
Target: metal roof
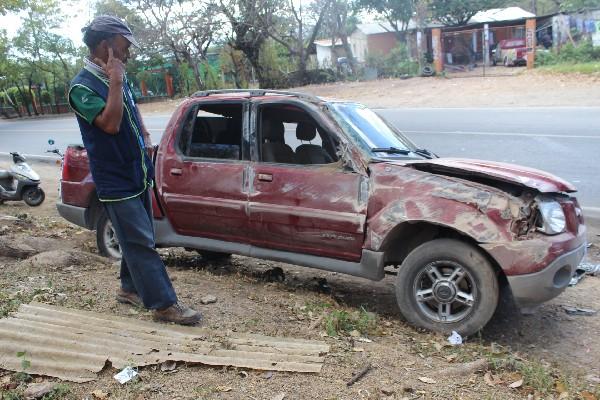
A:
(500, 14)
(75, 345)
(384, 27)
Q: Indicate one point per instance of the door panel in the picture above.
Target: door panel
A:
(207, 199)
(201, 180)
(318, 210)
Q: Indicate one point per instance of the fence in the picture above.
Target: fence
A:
(44, 109)
(478, 52)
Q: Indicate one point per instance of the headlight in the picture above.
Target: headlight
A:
(553, 218)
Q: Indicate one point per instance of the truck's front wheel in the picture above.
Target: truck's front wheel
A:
(447, 285)
(106, 238)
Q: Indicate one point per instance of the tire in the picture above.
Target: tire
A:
(106, 238)
(214, 255)
(430, 298)
(33, 196)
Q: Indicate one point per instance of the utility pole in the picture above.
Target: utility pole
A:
(534, 6)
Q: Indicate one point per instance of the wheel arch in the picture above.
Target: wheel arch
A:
(407, 236)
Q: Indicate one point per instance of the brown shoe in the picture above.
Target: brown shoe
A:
(179, 314)
(129, 298)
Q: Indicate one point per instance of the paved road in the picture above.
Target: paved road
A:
(563, 141)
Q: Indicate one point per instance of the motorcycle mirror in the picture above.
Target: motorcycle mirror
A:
(50, 142)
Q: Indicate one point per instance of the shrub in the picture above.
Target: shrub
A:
(397, 63)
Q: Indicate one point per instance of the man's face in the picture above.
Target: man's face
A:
(120, 47)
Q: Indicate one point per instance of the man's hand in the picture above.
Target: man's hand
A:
(113, 67)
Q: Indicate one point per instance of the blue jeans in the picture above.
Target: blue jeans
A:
(142, 270)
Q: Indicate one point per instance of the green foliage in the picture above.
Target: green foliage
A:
(211, 78)
(396, 12)
(579, 5)
(396, 64)
(569, 54)
(340, 322)
(458, 12)
(582, 68)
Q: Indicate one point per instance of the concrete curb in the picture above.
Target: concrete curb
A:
(33, 157)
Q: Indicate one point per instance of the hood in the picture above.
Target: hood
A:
(516, 174)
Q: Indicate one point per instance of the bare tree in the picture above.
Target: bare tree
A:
(250, 21)
(184, 29)
(292, 31)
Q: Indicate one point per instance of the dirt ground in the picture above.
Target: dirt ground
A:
(520, 89)
(549, 354)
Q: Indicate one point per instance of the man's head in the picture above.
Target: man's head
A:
(106, 32)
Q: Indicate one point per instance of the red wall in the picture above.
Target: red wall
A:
(381, 43)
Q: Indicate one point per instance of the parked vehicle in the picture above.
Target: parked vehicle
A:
(331, 185)
(21, 182)
(510, 53)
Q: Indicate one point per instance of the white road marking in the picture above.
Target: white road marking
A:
(502, 134)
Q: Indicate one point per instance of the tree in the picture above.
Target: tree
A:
(397, 13)
(10, 6)
(459, 12)
(340, 22)
(184, 29)
(292, 33)
(579, 5)
(250, 21)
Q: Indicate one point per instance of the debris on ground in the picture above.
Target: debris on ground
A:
(455, 339)
(14, 249)
(274, 275)
(360, 374)
(208, 299)
(75, 345)
(126, 375)
(467, 368)
(587, 312)
(589, 268)
(38, 390)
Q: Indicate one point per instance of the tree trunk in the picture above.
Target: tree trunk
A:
(23, 99)
(195, 70)
(41, 102)
(32, 97)
(341, 24)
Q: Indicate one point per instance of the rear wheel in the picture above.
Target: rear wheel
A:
(106, 238)
(33, 196)
(447, 285)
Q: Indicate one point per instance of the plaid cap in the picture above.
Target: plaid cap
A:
(110, 24)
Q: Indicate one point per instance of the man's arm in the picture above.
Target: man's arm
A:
(145, 132)
(109, 120)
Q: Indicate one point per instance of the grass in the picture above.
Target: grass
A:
(340, 322)
(568, 68)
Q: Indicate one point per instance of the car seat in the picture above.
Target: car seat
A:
(310, 153)
(274, 148)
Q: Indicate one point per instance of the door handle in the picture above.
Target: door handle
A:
(265, 177)
(176, 171)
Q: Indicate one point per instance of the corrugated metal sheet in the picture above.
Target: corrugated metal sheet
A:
(75, 345)
(500, 14)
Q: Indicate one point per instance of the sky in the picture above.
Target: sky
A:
(77, 14)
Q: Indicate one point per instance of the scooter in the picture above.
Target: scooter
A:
(21, 183)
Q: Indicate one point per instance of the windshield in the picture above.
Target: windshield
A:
(370, 131)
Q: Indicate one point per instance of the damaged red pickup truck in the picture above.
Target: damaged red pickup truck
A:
(330, 185)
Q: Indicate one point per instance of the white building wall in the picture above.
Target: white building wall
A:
(358, 43)
(323, 56)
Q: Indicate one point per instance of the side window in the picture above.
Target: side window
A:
(289, 135)
(213, 131)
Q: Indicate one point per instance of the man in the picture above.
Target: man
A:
(117, 145)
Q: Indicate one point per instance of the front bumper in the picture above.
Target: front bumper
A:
(76, 215)
(530, 290)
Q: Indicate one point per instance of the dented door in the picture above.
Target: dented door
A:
(318, 210)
